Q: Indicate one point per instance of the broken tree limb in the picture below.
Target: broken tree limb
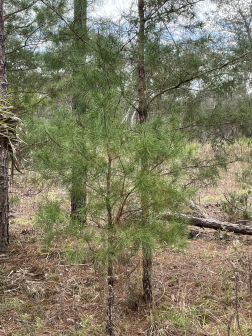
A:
(212, 223)
(194, 206)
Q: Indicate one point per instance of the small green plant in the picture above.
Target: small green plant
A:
(135, 294)
(11, 303)
(14, 200)
(86, 325)
(39, 323)
(176, 317)
(51, 219)
(245, 176)
(237, 205)
(76, 255)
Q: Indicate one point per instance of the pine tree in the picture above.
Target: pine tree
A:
(78, 188)
(158, 9)
(36, 90)
(32, 72)
(4, 196)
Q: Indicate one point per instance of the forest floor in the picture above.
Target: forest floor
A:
(204, 288)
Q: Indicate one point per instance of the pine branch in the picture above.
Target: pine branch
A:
(22, 47)
(151, 15)
(26, 42)
(20, 10)
(52, 139)
(199, 166)
(65, 21)
(196, 76)
(30, 92)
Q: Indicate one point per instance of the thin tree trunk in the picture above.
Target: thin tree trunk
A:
(143, 114)
(80, 17)
(147, 275)
(110, 276)
(146, 249)
(110, 299)
(4, 194)
(79, 189)
(79, 196)
(142, 106)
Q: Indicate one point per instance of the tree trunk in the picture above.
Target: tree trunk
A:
(143, 114)
(212, 223)
(147, 275)
(79, 189)
(110, 300)
(146, 249)
(142, 101)
(4, 195)
(110, 276)
(80, 17)
(79, 196)
(219, 225)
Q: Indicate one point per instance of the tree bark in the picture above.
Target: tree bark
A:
(147, 275)
(80, 17)
(79, 188)
(212, 223)
(143, 114)
(110, 276)
(110, 300)
(79, 196)
(142, 101)
(4, 194)
(219, 225)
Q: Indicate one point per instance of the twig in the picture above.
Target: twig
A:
(72, 265)
(163, 290)
(197, 207)
(133, 270)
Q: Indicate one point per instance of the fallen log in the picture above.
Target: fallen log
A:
(212, 223)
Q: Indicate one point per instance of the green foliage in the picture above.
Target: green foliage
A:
(14, 200)
(51, 219)
(134, 296)
(29, 25)
(76, 255)
(81, 131)
(238, 205)
(99, 140)
(176, 317)
(86, 325)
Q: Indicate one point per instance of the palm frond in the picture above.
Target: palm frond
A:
(8, 131)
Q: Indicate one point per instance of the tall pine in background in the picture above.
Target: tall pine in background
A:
(153, 21)
(78, 188)
(4, 196)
